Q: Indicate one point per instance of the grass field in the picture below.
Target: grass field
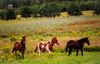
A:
(37, 29)
(56, 58)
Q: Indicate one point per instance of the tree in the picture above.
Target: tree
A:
(50, 10)
(73, 9)
(97, 7)
(9, 14)
(35, 10)
(1, 14)
(25, 11)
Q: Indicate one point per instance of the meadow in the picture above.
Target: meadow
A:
(37, 29)
(56, 58)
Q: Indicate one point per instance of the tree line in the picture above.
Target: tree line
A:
(45, 8)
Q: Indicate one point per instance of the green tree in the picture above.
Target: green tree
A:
(1, 14)
(50, 10)
(35, 10)
(25, 11)
(97, 7)
(73, 9)
(8, 14)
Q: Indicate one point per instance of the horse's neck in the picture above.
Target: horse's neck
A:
(51, 44)
(81, 42)
(23, 41)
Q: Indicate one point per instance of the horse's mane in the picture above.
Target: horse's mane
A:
(82, 39)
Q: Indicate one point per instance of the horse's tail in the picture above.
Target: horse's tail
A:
(13, 50)
(66, 49)
(36, 49)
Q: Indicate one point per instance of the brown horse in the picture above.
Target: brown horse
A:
(20, 46)
(79, 44)
(43, 46)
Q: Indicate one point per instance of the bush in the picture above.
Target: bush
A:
(89, 5)
(50, 10)
(1, 14)
(8, 14)
(25, 11)
(96, 48)
(97, 11)
(73, 9)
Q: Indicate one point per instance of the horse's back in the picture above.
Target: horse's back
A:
(74, 44)
(70, 42)
(17, 45)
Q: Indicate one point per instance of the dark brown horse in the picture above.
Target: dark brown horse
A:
(79, 44)
(43, 46)
(20, 46)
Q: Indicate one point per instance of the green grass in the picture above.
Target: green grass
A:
(57, 58)
(38, 29)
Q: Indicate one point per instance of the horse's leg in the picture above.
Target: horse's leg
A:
(39, 51)
(48, 50)
(70, 50)
(82, 51)
(13, 50)
(22, 55)
(66, 49)
(22, 52)
(77, 52)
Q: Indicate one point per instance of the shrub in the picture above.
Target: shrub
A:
(1, 14)
(8, 14)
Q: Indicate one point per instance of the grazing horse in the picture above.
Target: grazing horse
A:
(20, 46)
(43, 46)
(79, 44)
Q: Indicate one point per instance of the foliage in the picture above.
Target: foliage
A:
(74, 9)
(97, 8)
(25, 11)
(1, 14)
(89, 5)
(8, 14)
(50, 10)
(35, 10)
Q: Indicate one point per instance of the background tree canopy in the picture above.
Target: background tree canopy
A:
(48, 8)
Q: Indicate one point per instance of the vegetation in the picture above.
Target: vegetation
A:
(74, 9)
(89, 57)
(49, 8)
(42, 28)
(37, 29)
(25, 11)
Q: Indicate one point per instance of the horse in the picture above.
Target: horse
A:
(46, 46)
(20, 46)
(78, 44)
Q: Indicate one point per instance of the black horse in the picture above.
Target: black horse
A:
(79, 44)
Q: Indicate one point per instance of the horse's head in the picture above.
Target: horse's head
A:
(23, 39)
(87, 40)
(54, 40)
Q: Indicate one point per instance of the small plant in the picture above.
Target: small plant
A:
(17, 55)
(6, 50)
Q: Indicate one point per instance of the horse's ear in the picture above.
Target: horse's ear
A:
(54, 37)
(86, 37)
(24, 36)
